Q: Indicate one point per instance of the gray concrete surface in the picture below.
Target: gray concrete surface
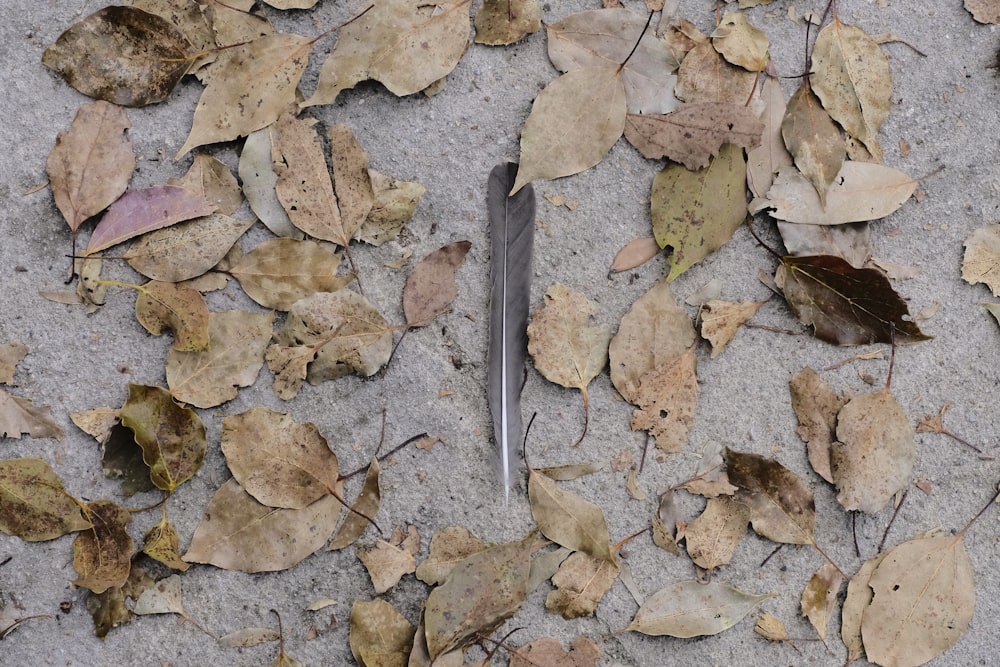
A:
(944, 106)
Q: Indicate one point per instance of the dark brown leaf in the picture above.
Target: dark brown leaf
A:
(782, 508)
(693, 134)
(102, 555)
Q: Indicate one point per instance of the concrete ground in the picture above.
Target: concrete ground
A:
(944, 106)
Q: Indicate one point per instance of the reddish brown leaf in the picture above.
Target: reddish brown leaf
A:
(141, 211)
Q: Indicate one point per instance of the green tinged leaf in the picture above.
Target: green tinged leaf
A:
(102, 555)
(33, 504)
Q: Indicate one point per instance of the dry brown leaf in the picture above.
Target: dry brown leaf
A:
(982, 258)
(279, 272)
(211, 178)
(238, 533)
(280, 462)
(380, 636)
(861, 191)
(819, 599)
(237, 340)
(666, 522)
(567, 519)
(635, 254)
(712, 538)
(362, 512)
(694, 133)
(20, 416)
(694, 609)
(33, 503)
(850, 241)
(851, 76)
(182, 310)
(386, 565)
(108, 610)
(394, 206)
(816, 406)
(874, 457)
(92, 162)
(721, 319)
(192, 21)
(580, 584)
(102, 554)
(256, 169)
(448, 548)
(430, 288)
(925, 594)
(764, 161)
(705, 76)
(549, 652)
(654, 332)
(11, 355)
(501, 22)
(573, 124)
(351, 180)
(741, 43)
(616, 37)
(984, 11)
(666, 399)
(248, 637)
(859, 596)
(770, 628)
(162, 543)
(248, 87)
(406, 45)
(782, 508)
(564, 345)
(185, 250)
(813, 140)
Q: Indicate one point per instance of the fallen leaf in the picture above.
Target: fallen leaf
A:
(581, 583)
(696, 213)
(501, 22)
(248, 637)
(238, 533)
(665, 524)
(172, 438)
(721, 319)
(249, 86)
(237, 340)
(351, 180)
(711, 539)
(121, 455)
(20, 416)
(406, 45)
(108, 610)
(782, 508)
(666, 399)
(814, 142)
(846, 306)
(984, 11)
(430, 288)
(859, 596)
(874, 457)
(741, 43)
(694, 609)
(573, 124)
(35, 506)
(91, 290)
(635, 254)
(141, 211)
(710, 291)
(564, 345)
(705, 76)
(850, 241)
(770, 628)
(160, 306)
(379, 636)
(632, 486)
(861, 191)
(256, 170)
(925, 595)
(386, 565)
(279, 272)
(764, 161)
(567, 519)
(163, 598)
(280, 462)
(711, 480)
(91, 164)
(816, 406)
(11, 355)
(694, 133)
(162, 543)
(194, 22)
(335, 333)
(212, 179)
(819, 599)
(102, 554)
(185, 250)
(449, 547)
(982, 258)
(616, 38)
(549, 652)
(851, 76)
(122, 55)
(654, 332)
(394, 206)
(362, 512)
(479, 594)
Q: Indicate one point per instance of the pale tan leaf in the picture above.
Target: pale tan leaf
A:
(448, 548)
(711, 539)
(248, 637)
(819, 599)
(814, 141)
(549, 652)
(580, 584)
(162, 598)
(236, 352)
(500, 22)
(925, 594)
(256, 170)
(379, 636)
(248, 87)
(982, 258)
(146, 210)
(665, 524)
(694, 609)
(705, 76)
(712, 480)
(741, 43)
(635, 254)
(567, 519)
(238, 533)
(185, 250)
(211, 178)
(11, 355)
(984, 11)
(859, 596)
(280, 462)
(351, 179)
(862, 191)
(431, 288)
(851, 76)
(279, 272)
(386, 565)
(666, 399)
(721, 319)
(816, 406)
(573, 124)
(404, 44)
(394, 206)
(764, 161)
(851, 241)
(770, 628)
(20, 416)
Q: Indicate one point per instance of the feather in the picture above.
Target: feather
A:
(512, 236)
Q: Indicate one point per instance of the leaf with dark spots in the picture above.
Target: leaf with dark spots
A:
(102, 555)
(33, 504)
(782, 507)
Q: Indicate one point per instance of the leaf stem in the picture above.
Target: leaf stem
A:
(383, 457)
(619, 545)
(636, 46)
(828, 559)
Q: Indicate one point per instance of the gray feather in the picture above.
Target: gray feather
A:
(512, 235)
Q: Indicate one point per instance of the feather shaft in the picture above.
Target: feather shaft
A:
(512, 235)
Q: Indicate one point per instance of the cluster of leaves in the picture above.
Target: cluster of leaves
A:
(706, 102)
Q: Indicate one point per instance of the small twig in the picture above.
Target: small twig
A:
(854, 532)
(891, 521)
(383, 457)
(616, 547)
(771, 555)
(645, 448)
(766, 327)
